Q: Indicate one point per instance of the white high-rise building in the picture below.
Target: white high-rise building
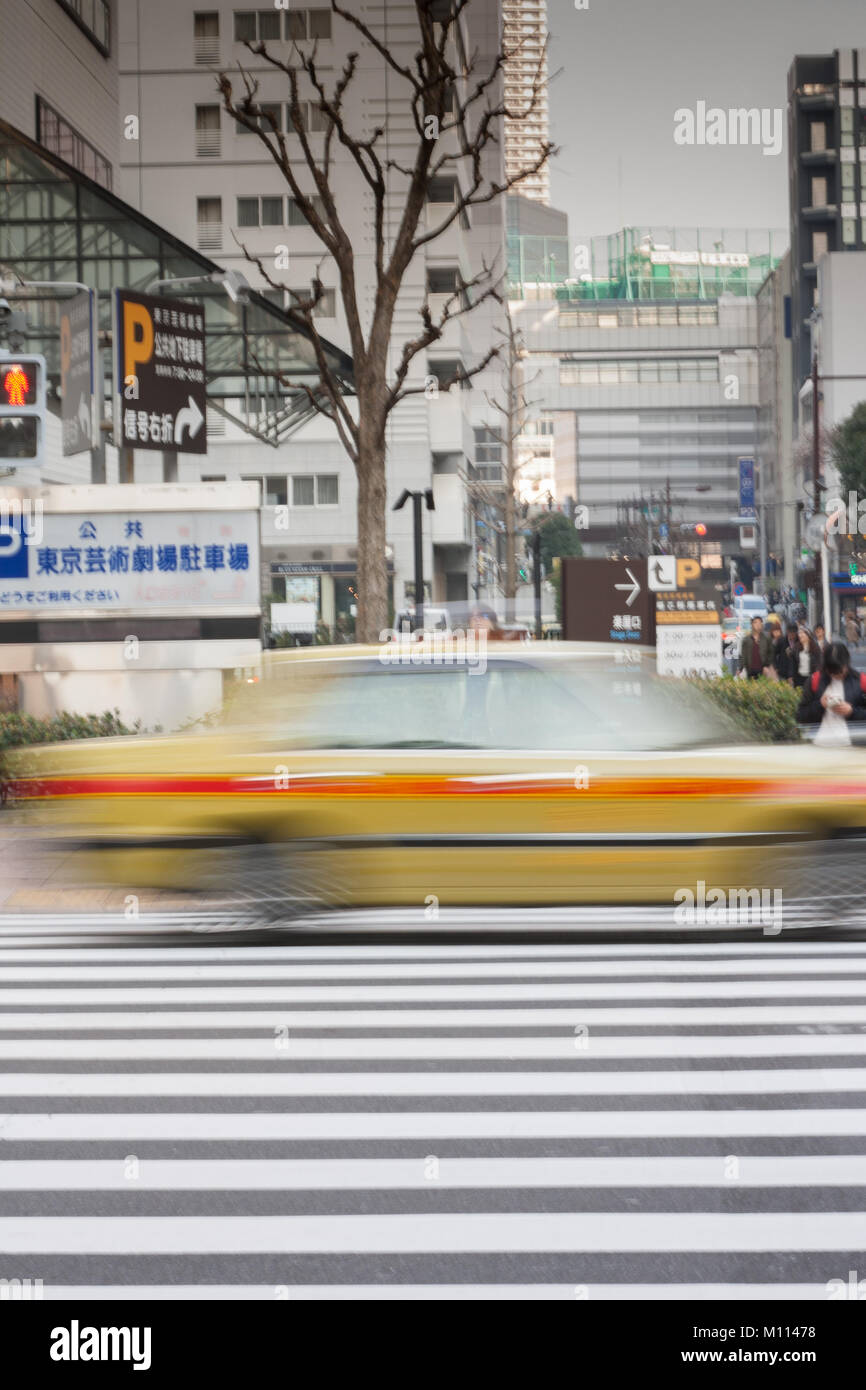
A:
(58, 80)
(525, 26)
(197, 173)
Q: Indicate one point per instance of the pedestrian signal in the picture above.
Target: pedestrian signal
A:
(22, 410)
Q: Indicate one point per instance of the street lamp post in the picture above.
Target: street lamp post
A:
(419, 498)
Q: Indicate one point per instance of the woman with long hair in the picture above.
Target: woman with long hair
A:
(808, 658)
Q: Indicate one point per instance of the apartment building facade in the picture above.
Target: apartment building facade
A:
(58, 80)
(525, 36)
(212, 183)
(827, 180)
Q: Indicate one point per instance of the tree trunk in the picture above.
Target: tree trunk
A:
(372, 565)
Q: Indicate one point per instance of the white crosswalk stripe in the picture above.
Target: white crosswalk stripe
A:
(509, 1119)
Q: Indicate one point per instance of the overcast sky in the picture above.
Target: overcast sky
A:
(628, 65)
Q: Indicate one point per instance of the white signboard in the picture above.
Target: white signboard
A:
(293, 617)
(693, 649)
(130, 562)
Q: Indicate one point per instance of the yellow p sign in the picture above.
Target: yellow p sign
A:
(687, 572)
(137, 337)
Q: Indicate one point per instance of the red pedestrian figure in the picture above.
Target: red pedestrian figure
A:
(16, 385)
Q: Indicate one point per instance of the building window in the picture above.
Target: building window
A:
(315, 490)
(820, 244)
(311, 119)
(276, 492)
(253, 25)
(308, 24)
(248, 212)
(272, 212)
(206, 36)
(446, 371)
(209, 218)
(849, 231)
(303, 491)
(326, 307)
(296, 216)
(639, 371)
(267, 114)
(488, 446)
(57, 135)
(93, 18)
(260, 212)
(440, 190)
(207, 132)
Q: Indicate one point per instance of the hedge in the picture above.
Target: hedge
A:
(18, 730)
(24, 730)
(766, 709)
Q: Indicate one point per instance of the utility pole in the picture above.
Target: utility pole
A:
(536, 580)
(816, 440)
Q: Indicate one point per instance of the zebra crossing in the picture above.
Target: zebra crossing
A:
(439, 1119)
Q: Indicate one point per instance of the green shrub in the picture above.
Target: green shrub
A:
(19, 730)
(765, 709)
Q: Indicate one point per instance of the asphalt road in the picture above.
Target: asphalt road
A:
(181, 1117)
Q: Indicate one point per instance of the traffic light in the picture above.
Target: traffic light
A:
(693, 528)
(22, 409)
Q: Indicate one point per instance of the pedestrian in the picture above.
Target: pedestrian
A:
(808, 658)
(786, 662)
(777, 638)
(834, 697)
(821, 639)
(756, 652)
(852, 626)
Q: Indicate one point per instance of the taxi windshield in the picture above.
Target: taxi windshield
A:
(561, 705)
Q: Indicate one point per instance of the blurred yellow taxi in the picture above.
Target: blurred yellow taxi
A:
(498, 773)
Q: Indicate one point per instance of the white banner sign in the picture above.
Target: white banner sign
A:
(143, 562)
(693, 649)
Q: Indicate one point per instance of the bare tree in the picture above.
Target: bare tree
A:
(511, 413)
(456, 107)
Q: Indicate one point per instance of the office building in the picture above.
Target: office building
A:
(648, 362)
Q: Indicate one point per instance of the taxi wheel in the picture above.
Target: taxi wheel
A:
(276, 882)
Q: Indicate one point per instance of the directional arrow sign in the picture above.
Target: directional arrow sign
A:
(189, 417)
(634, 586)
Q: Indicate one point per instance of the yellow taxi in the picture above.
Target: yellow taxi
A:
(498, 773)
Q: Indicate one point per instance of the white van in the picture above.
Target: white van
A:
(749, 606)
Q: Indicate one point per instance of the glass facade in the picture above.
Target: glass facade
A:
(644, 263)
(58, 225)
